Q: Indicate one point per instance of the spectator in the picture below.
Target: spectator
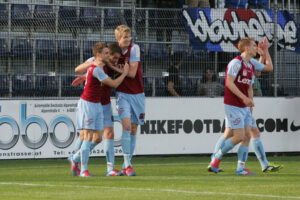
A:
(210, 86)
(198, 3)
(235, 3)
(257, 88)
(258, 4)
(173, 84)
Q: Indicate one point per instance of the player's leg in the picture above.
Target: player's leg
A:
(233, 115)
(243, 154)
(85, 151)
(124, 112)
(220, 143)
(109, 151)
(260, 153)
(74, 159)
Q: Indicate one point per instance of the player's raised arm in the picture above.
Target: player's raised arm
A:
(115, 83)
(268, 67)
(84, 66)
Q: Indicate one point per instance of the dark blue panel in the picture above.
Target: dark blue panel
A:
(90, 16)
(44, 15)
(21, 48)
(20, 13)
(45, 49)
(68, 49)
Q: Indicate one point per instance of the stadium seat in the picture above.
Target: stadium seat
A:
(46, 85)
(44, 15)
(21, 48)
(20, 14)
(147, 86)
(158, 51)
(90, 17)
(3, 48)
(23, 85)
(87, 49)
(112, 17)
(3, 14)
(67, 17)
(139, 18)
(45, 49)
(67, 89)
(189, 86)
(160, 86)
(4, 84)
(68, 49)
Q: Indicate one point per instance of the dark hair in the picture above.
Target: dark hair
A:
(114, 48)
(176, 58)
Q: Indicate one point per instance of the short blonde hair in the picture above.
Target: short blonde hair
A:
(98, 48)
(244, 42)
(120, 30)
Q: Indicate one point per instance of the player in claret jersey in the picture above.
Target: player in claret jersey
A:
(130, 95)
(238, 98)
(108, 135)
(89, 114)
(254, 132)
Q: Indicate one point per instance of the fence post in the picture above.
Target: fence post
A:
(133, 31)
(275, 43)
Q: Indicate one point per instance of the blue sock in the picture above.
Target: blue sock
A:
(242, 157)
(220, 143)
(93, 144)
(260, 152)
(76, 156)
(132, 145)
(78, 144)
(227, 147)
(126, 147)
(110, 153)
(84, 154)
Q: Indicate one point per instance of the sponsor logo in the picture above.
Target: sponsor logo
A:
(237, 121)
(244, 72)
(294, 128)
(244, 80)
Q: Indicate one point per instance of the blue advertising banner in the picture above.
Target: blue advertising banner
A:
(221, 29)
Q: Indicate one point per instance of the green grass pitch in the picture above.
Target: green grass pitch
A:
(158, 177)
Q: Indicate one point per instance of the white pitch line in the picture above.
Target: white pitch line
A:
(153, 190)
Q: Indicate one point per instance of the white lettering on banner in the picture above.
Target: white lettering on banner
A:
(244, 80)
(223, 30)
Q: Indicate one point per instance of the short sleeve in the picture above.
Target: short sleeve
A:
(90, 59)
(99, 74)
(258, 66)
(135, 54)
(234, 67)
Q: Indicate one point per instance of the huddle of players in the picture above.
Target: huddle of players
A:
(94, 113)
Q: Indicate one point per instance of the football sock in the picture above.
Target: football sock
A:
(126, 147)
(93, 144)
(78, 144)
(227, 147)
(242, 157)
(220, 143)
(84, 154)
(260, 152)
(110, 153)
(132, 145)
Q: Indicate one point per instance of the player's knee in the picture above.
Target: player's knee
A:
(109, 135)
(255, 133)
(127, 127)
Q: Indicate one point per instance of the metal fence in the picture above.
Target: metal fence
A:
(42, 43)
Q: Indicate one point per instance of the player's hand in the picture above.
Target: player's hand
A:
(248, 102)
(78, 80)
(126, 69)
(260, 51)
(251, 109)
(265, 44)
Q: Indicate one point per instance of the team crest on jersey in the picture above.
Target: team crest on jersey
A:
(244, 72)
(237, 121)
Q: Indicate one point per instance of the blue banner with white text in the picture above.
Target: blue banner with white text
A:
(221, 29)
